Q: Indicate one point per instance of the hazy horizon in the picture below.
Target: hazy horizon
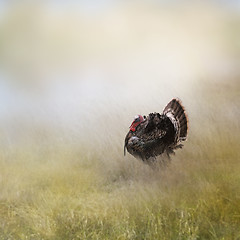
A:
(73, 66)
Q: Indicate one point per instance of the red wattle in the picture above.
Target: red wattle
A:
(133, 126)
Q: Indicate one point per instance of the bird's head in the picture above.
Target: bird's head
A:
(137, 120)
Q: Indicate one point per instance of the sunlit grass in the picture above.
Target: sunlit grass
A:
(62, 170)
(68, 193)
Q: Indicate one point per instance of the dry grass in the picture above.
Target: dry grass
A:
(66, 192)
(69, 179)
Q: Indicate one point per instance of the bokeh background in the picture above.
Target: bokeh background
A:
(73, 74)
(82, 67)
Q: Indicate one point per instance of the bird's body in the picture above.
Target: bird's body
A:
(157, 133)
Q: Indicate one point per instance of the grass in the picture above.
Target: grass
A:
(59, 190)
(68, 193)
(81, 187)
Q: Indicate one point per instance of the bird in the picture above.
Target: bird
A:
(157, 133)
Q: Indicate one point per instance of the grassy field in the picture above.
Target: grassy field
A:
(73, 76)
(61, 191)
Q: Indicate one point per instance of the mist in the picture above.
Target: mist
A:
(70, 65)
(72, 77)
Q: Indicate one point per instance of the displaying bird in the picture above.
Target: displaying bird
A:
(157, 133)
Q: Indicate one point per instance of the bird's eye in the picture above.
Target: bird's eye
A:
(136, 118)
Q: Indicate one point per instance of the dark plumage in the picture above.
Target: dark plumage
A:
(157, 133)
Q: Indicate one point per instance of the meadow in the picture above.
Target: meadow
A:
(52, 190)
(73, 75)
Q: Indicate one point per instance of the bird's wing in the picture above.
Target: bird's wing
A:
(154, 128)
(147, 140)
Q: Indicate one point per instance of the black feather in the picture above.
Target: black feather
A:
(159, 132)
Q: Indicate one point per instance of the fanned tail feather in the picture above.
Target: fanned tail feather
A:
(176, 112)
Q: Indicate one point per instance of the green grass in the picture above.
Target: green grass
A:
(86, 189)
(66, 193)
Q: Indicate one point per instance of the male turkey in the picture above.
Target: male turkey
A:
(157, 133)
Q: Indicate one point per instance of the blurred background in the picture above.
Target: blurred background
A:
(77, 72)
(73, 74)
